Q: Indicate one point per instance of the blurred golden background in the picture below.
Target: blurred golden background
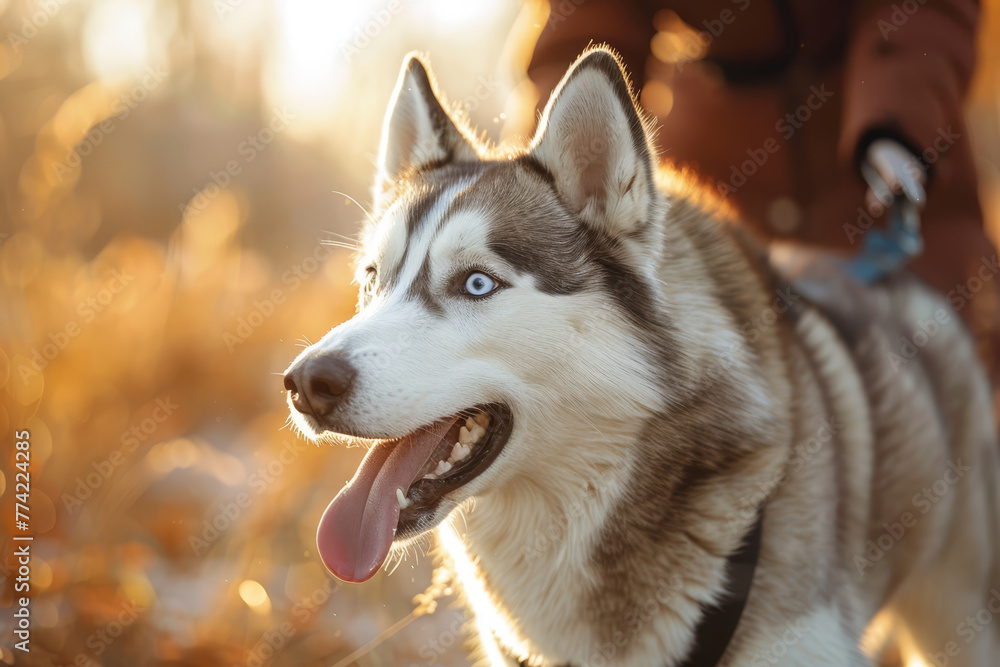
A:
(175, 193)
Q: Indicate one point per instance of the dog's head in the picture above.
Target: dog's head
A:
(505, 299)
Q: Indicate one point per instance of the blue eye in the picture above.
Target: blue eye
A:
(479, 284)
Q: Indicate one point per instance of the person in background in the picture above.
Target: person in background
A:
(781, 105)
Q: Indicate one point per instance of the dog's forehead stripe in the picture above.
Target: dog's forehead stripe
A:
(428, 190)
(422, 203)
(422, 225)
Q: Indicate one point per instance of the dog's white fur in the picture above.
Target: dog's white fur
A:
(578, 377)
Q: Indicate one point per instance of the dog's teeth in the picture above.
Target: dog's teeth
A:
(477, 433)
(442, 468)
(464, 436)
(482, 419)
(470, 424)
(459, 452)
(401, 499)
(429, 475)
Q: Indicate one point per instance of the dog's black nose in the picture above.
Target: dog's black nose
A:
(318, 383)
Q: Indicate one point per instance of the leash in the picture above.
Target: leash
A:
(718, 625)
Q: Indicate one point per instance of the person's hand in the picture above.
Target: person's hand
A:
(890, 170)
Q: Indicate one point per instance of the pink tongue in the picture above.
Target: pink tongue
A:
(357, 528)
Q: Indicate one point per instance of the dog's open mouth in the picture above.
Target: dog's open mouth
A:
(401, 482)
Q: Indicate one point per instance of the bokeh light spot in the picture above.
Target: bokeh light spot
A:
(255, 596)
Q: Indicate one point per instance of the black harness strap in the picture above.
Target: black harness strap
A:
(718, 625)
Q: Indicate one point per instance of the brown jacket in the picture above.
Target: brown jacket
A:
(787, 98)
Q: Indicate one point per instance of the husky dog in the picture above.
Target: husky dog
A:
(613, 385)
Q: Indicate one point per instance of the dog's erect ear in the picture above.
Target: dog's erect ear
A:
(417, 131)
(592, 139)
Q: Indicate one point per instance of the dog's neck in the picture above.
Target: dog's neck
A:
(611, 553)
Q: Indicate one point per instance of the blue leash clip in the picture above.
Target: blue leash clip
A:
(826, 278)
(885, 251)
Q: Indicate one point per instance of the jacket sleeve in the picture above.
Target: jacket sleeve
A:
(908, 68)
(573, 24)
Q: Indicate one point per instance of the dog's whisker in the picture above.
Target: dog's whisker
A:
(355, 202)
(394, 566)
(340, 244)
(343, 236)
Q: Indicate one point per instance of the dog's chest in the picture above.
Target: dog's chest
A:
(533, 594)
